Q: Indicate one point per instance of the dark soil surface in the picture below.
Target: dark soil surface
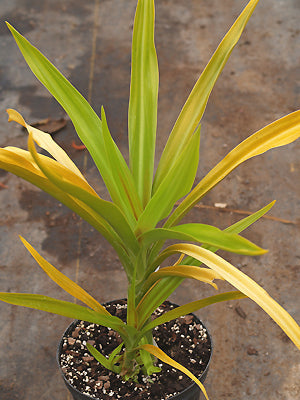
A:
(185, 340)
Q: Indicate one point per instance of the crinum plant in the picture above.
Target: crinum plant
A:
(142, 198)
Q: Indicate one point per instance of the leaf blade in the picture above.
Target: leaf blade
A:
(21, 163)
(86, 122)
(279, 133)
(45, 141)
(176, 184)
(157, 352)
(64, 282)
(192, 307)
(66, 180)
(204, 234)
(184, 271)
(245, 284)
(194, 107)
(142, 112)
(60, 307)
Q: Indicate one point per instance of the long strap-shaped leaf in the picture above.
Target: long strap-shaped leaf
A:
(64, 308)
(64, 282)
(279, 133)
(184, 271)
(235, 228)
(21, 163)
(192, 307)
(72, 184)
(243, 283)
(142, 113)
(194, 107)
(203, 233)
(176, 184)
(157, 352)
(86, 122)
(45, 141)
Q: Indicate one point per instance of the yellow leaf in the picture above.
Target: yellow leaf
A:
(64, 282)
(279, 133)
(45, 141)
(185, 271)
(243, 283)
(21, 163)
(168, 360)
(59, 169)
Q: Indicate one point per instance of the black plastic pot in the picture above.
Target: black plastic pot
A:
(192, 392)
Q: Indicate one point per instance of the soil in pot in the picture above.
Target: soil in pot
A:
(186, 340)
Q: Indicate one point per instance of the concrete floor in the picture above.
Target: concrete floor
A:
(90, 43)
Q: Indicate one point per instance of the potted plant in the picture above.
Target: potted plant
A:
(140, 217)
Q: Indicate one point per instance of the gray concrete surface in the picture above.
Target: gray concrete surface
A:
(89, 41)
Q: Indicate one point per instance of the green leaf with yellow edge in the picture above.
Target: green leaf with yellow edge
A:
(157, 352)
(243, 283)
(192, 307)
(203, 233)
(281, 132)
(86, 122)
(21, 163)
(45, 141)
(64, 308)
(194, 107)
(142, 112)
(66, 180)
(64, 282)
(176, 184)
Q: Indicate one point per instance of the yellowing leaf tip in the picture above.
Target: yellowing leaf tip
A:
(15, 116)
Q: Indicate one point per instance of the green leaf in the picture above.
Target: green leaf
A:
(192, 307)
(147, 359)
(102, 359)
(86, 122)
(279, 133)
(243, 283)
(245, 222)
(204, 234)
(64, 308)
(235, 228)
(194, 107)
(99, 357)
(142, 113)
(115, 353)
(176, 184)
(157, 352)
(64, 282)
